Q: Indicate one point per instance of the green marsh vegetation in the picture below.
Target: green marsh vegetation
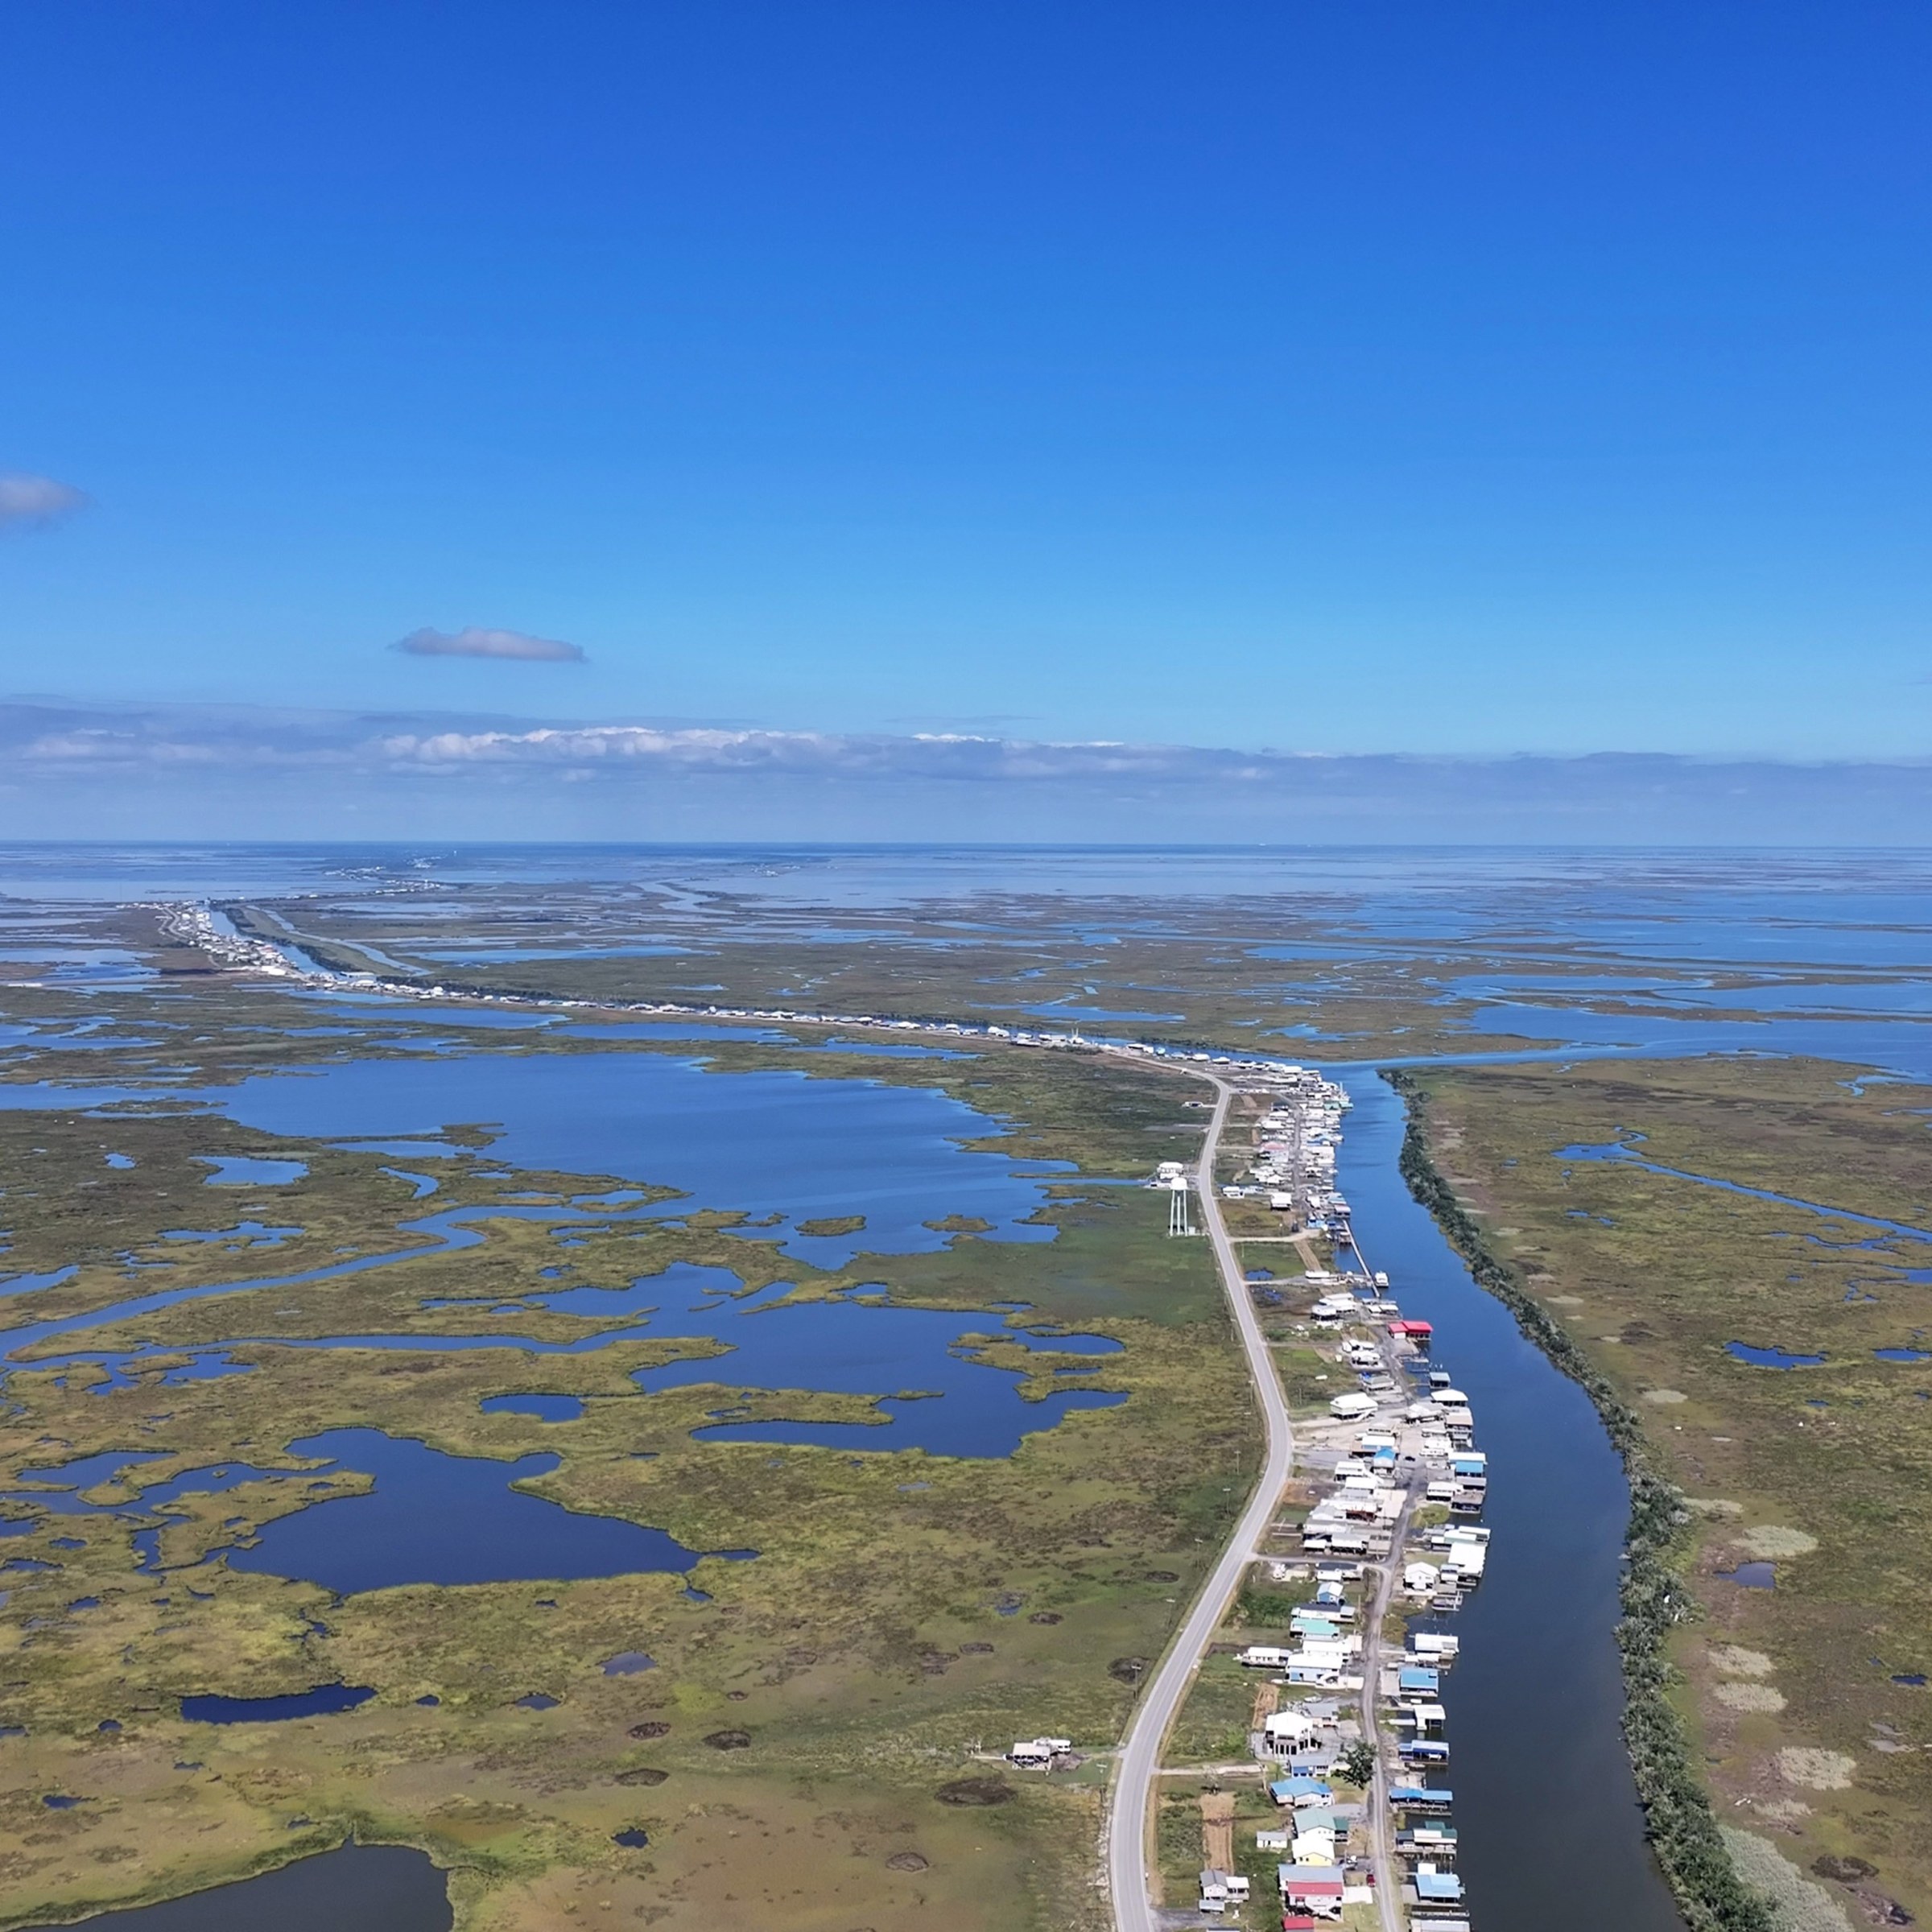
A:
(996, 957)
(906, 1611)
(1178, 1844)
(1214, 1721)
(850, 1654)
(1786, 1703)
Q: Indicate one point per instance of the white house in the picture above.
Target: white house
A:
(1284, 1733)
(1221, 1889)
(1037, 1753)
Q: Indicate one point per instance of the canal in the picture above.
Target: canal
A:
(1549, 1827)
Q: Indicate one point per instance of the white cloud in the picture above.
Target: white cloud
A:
(642, 747)
(741, 782)
(31, 503)
(549, 744)
(473, 642)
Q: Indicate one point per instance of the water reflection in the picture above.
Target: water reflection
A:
(247, 1170)
(436, 1518)
(861, 1347)
(371, 1887)
(324, 1700)
(1551, 1831)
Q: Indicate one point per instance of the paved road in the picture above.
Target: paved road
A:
(1127, 1832)
(1128, 1835)
(1382, 1837)
(1381, 1824)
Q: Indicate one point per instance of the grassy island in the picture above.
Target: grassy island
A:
(804, 1727)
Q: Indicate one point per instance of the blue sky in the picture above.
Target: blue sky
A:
(1396, 377)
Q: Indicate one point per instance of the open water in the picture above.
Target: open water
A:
(1837, 948)
(1546, 1807)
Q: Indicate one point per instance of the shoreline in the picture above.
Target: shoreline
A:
(1680, 1825)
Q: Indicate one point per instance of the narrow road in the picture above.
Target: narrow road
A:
(1381, 1838)
(1130, 1813)
(1129, 1817)
(1381, 1833)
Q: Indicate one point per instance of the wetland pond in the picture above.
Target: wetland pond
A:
(430, 1518)
(1550, 1830)
(369, 1888)
(1770, 1356)
(767, 1142)
(435, 1518)
(831, 1167)
(324, 1700)
(877, 1165)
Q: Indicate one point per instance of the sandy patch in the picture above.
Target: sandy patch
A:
(1729, 1660)
(1821, 1770)
(1713, 1505)
(1797, 1904)
(1663, 1397)
(1792, 1811)
(1565, 1301)
(1770, 1540)
(1748, 1697)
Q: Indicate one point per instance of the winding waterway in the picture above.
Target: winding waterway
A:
(1551, 1832)
(1547, 1808)
(1546, 1813)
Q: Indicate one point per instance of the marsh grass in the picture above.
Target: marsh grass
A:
(1637, 1280)
(906, 1611)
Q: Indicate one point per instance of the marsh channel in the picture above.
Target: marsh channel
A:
(1549, 1827)
(1548, 1812)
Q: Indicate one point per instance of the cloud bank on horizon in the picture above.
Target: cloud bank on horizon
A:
(473, 641)
(30, 503)
(74, 769)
